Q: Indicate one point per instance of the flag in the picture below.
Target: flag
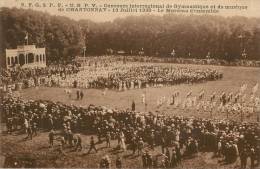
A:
(243, 98)
(243, 88)
(26, 36)
(255, 88)
(143, 98)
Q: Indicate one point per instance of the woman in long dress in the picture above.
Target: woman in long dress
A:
(122, 141)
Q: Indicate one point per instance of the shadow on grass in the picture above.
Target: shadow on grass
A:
(102, 148)
(131, 156)
(115, 151)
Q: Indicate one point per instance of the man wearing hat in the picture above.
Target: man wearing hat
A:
(118, 162)
(78, 94)
(70, 138)
(243, 158)
(133, 105)
(168, 153)
(92, 145)
(257, 152)
(99, 133)
(162, 141)
(78, 142)
(108, 139)
(105, 162)
(140, 146)
(152, 139)
(34, 129)
(29, 132)
(144, 159)
(173, 159)
(149, 159)
(178, 153)
(60, 150)
(81, 94)
(9, 124)
(26, 125)
(252, 155)
(134, 144)
(51, 138)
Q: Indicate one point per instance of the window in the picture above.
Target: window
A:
(8, 61)
(30, 58)
(16, 60)
(21, 59)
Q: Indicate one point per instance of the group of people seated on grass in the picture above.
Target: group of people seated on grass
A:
(176, 137)
(133, 76)
(106, 74)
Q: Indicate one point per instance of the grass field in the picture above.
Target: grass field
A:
(234, 77)
(37, 148)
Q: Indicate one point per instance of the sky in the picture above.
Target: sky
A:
(253, 7)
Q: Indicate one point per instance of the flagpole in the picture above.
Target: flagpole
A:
(27, 38)
(26, 57)
(145, 100)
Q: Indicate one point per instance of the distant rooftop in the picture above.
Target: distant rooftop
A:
(26, 47)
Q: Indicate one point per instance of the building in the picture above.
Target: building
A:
(26, 56)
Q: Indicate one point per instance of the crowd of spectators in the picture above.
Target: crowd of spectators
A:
(179, 60)
(178, 137)
(19, 74)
